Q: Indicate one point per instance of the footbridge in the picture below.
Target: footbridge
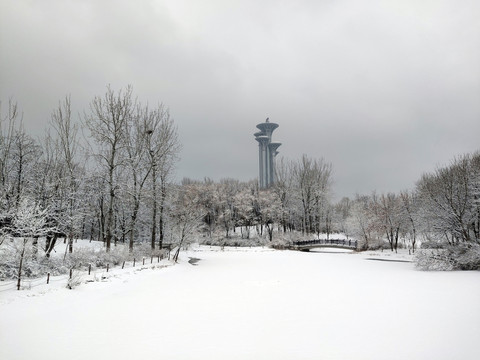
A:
(324, 243)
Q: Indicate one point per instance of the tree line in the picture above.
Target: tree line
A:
(443, 209)
(298, 202)
(110, 182)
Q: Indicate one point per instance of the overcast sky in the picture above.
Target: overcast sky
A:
(383, 89)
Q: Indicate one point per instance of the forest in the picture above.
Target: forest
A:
(109, 177)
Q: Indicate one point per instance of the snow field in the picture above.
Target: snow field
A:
(253, 304)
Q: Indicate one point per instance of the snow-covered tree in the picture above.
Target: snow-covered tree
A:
(210, 203)
(312, 181)
(388, 217)
(270, 210)
(163, 148)
(106, 122)
(25, 152)
(360, 223)
(29, 223)
(228, 188)
(8, 122)
(284, 190)
(186, 216)
(449, 200)
(409, 210)
(342, 212)
(244, 209)
(70, 183)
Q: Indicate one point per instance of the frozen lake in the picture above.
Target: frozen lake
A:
(253, 304)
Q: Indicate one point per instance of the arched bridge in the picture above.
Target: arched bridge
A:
(324, 243)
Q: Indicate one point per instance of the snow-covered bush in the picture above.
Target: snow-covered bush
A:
(233, 241)
(53, 265)
(433, 260)
(38, 265)
(374, 244)
(34, 265)
(83, 257)
(144, 249)
(10, 254)
(464, 256)
(432, 244)
(284, 240)
(75, 280)
(378, 244)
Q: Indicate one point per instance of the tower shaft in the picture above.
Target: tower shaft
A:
(267, 150)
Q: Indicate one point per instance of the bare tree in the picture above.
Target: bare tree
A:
(283, 188)
(48, 189)
(360, 221)
(137, 139)
(186, 215)
(343, 210)
(25, 153)
(450, 200)
(388, 217)
(29, 222)
(7, 132)
(270, 210)
(409, 205)
(106, 123)
(244, 201)
(67, 143)
(228, 188)
(163, 149)
(313, 181)
(209, 201)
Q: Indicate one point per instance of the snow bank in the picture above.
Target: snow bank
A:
(253, 304)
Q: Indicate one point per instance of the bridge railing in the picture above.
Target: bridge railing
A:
(337, 242)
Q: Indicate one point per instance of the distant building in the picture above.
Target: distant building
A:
(267, 150)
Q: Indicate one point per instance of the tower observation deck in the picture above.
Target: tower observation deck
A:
(267, 150)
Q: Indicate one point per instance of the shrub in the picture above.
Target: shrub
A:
(80, 259)
(234, 242)
(464, 256)
(75, 280)
(431, 244)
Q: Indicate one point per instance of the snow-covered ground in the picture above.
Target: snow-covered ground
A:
(251, 304)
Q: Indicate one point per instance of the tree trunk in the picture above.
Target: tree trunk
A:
(269, 231)
(397, 230)
(161, 224)
(48, 240)
(50, 244)
(109, 224)
(35, 248)
(133, 224)
(154, 227)
(84, 220)
(154, 207)
(21, 264)
(91, 228)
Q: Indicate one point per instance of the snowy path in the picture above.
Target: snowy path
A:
(254, 305)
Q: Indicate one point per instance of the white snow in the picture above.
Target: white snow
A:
(252, 304)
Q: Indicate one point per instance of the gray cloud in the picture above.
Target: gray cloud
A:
(385, 90)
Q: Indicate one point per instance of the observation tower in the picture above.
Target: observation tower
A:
(267, 150)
